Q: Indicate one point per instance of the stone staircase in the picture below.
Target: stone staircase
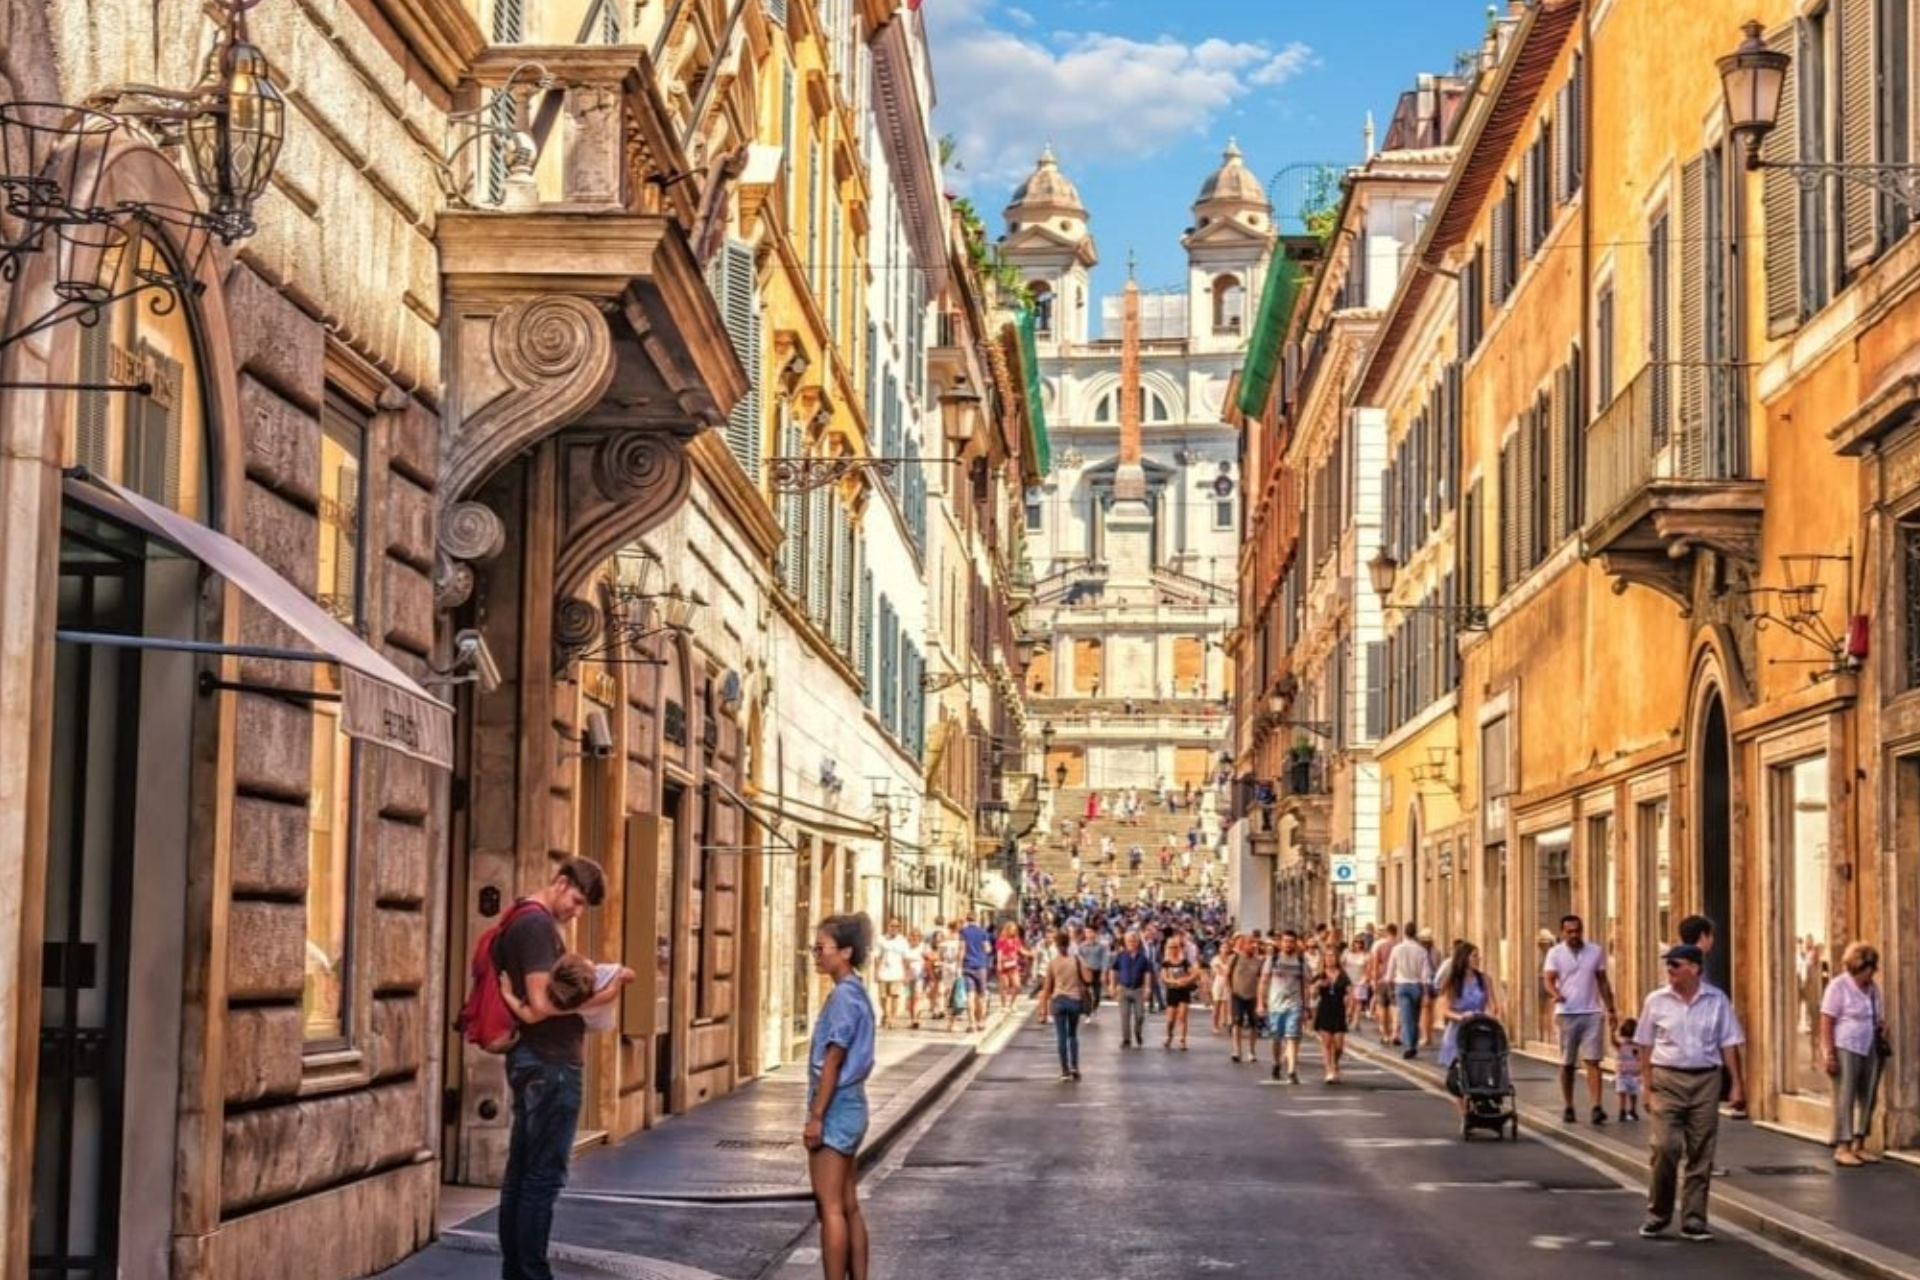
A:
(1152, 827)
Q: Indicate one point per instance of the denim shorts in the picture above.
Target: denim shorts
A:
(1284, 1024)
(845, 1123)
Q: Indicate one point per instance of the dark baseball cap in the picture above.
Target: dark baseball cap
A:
(1685, 951)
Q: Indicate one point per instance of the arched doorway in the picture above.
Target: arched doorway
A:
(1713, 823)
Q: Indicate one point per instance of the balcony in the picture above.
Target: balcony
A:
(1668, 474)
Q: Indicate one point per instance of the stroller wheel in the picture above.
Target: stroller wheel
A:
(1466, 1128)
(1513, 1129)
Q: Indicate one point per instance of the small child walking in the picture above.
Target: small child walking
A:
(1626, 1057)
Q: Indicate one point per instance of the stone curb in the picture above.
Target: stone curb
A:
(1818, 1241)
(621, 1266)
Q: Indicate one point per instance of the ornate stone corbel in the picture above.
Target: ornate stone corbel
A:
(576, 625)
(469, 533)
(616, 488)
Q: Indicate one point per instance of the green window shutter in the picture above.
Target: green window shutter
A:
(1780, 197)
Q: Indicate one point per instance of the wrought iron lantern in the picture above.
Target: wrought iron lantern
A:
(1753, 78)
(234, 135)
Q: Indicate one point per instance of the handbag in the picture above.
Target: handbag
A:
(1882, 1047)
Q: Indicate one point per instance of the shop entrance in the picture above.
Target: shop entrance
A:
(103, 1154)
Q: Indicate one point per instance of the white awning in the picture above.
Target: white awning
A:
(380, 703)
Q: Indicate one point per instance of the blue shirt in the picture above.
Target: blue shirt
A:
(846, 1020)
(1130, 968)
(979, 946)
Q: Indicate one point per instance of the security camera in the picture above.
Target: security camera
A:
(470, 648)
(599, 735)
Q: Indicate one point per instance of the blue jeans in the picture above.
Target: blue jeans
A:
(1066, 1031)
(546, 1109)
(1408, 996)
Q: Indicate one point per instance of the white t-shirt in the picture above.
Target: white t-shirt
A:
(1854, 1013)
(894, 951)
(1579, 973)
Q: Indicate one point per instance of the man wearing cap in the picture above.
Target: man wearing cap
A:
(1691, 1034)
(1575, 975)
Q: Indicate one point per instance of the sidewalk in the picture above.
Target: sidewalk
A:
(645, 1207)
(1783, 1187)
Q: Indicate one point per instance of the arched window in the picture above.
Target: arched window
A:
(1153, 408)
(1229, 304)
(1042, 294)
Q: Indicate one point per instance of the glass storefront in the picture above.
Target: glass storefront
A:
(1801, 831)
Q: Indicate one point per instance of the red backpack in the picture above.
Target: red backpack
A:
(485, 1021)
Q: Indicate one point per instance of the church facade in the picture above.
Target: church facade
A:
(1132, 535)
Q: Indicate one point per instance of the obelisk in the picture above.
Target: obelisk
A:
(1129, 536)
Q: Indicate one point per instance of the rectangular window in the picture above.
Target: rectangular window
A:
(1223, 514)
(1036, 515)
(1602, 899)
(331, 810)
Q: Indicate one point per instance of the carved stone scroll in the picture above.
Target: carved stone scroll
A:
(469, 533)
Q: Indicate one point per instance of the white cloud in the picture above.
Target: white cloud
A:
(1003, 93)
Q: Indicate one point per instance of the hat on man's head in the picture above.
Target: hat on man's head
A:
(1426, 935)
(1685, 951)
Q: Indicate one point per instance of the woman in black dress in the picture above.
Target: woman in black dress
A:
(1331, 991)
(1179, 973)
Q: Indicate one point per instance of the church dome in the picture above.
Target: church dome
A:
(1046, 194)
(1232, 187)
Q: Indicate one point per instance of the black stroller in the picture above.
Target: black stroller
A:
(1480, 1076)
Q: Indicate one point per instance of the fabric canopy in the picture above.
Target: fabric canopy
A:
(380, 703)
(1036, 410)
(1269, 334)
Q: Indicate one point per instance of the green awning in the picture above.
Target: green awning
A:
(1036, 415)
(1269, 334)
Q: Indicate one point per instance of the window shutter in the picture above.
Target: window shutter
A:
(1451, 461)
(819, 551)
(1557, 522)
(1473, 540)
(735, 286)
(1859, 87)
(793, 520)
(863, 626)
(1509, 519)
(1690, 373)
(1573, 438)
(1660, 327)
(1525, 468)
(1376, 690)
(1780, 197)
(90, 425)
(1502, 216)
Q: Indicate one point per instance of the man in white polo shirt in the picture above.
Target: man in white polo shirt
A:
(1691, 1035)
(1575, 974)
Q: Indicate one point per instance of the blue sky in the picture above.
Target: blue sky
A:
(1139, 97)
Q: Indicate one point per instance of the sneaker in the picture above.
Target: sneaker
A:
(1411, 1054)
(1696, 1229)
(1654, 1227)
(1076, 1075)
(1568, 1115)
(1599, 1115)
(1236, 1059)
(1276, 1071)
(1293, 1077)
(1066, 1075)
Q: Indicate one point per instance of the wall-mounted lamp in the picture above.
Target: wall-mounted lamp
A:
(1799, 608)
(830, 780)
(1437, 772)
(1383, 570)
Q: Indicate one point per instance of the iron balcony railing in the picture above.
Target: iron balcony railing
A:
(1673, 423)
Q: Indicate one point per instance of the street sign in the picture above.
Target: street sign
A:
(1344, 871)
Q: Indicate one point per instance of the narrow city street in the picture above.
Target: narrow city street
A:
(1166, 1164)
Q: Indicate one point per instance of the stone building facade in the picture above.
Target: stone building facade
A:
(219, 985)
(1673, 500)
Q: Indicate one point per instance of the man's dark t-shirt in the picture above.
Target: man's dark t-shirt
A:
(532, 944)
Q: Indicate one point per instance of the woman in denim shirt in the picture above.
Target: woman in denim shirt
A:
(837, 1069)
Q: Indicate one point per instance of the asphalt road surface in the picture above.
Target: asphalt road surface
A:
(1162, 1165)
